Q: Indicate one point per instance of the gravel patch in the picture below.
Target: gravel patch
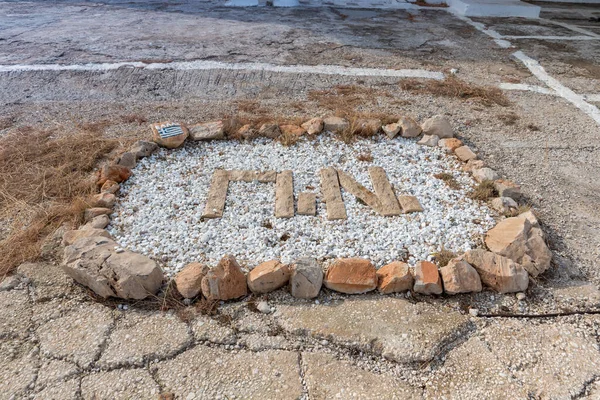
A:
(160, 207)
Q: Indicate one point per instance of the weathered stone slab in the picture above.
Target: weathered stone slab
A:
(307, 203)
(465, 153)
(119, 385)
(213, 130)
(500, 273)
(212, 373)
(329, 378)
(392, 327)
(267, 176)
(15, 312)
(284, 195)
(358, 190)
(351, 275)
(385, 192)
(217, 194)
(410, 204)
(242, 175)
(306, 278)
(332, 195)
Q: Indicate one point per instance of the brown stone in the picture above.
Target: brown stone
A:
(352, 186)
(460, 277)
(116, 173)
(332, 195)
(242, 175)
(385, 192)
(391, 130)
(335, 124)
(247, 132)
(106, 200)
(427, 278)
(307, 203)
(292, 130)
(351, 275)
(267, 176)
(439, 126)
(268, 276)
(410, 204)
(72, 236)
(189, 279)
(217, 194)
(93, 212)
(110, 187)
(473, 165)
(284, 195)
(313, 126)
(450, 144)
(214, 130)
(99, 222)
(224, 282)
(465, 153)
(270, 131)
(394, 277)
(128, 160)
(170, 142)
(142, 148)
(500, 273)
(409, 127)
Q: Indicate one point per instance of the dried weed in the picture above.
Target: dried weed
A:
(449, 179)
(484, 191)
(456, 88)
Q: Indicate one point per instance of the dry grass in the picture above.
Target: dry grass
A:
(345, 98)
(456, 88)
(6, 122)
(484, 191)
(44, 183)
(288, 138)
(518, 211)
(449, 179)
(443, 257)
(366, 157)
(508, 119)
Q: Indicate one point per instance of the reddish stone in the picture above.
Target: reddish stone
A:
(224, 282)
(427, 278)
(394, 277)
(268, 276)
(189, 280)
(116, 173)
(106, 200)
(351, 275)
(110, 187)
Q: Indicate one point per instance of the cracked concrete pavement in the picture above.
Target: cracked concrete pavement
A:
(56, 342)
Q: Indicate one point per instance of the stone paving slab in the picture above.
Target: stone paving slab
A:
(61, 390)
(47, 280)
(213, 373)
(329, 378)
(206, 328)
(399, 330)
(119, 385)
(17, 367)
(52, 371)
(142, 336)
(15, 312)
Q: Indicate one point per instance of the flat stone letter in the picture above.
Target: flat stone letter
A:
(332, 195)
(217, 195)
(284, 195)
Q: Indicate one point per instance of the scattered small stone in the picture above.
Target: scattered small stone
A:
(521, 296)
(128, 160)
(306, 278)
(313, 126)
(460, 277)
(472, 165)
(168, 141)
(439, 126)
(351, 276)
(391, 130)
(224, 282)
(93, 212)
(335, 124)
(116, 173)
(500, 273)
(394, 277)
(189, 279)
(427, 278)
(465, 153)
(450, 144)
(269, 130)
(268, 276)
(213, 130)
(106, 200)
(142, 148)
(429, 140)
(485, 174)
(263, 307)
(409, 127)
(110, 187)
(473, 312)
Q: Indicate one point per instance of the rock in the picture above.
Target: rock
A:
(213, 130)
(72, 236)
(94, 263)
(351, 275)
(506, 188)
(504, 204)
(270, 131)
(99, 222)
(306, 278)
(429, 140)
(292, 130)
(465, 153)
(485, 174)
(142, 148)
(168, 134)
(313, 126)
(409, 127)
(450, 144)
(268, 276)
(391, 130)
(516, 239)
(335, 124)
(116, 173)
(367, 127)
(189, 279)
(394, 277)
(410, 204)
(263, 307)
(530, 216)
(521, 296)
(128, 160)
(472, 165)
(460, 277)
(500, 273)
(106, 200)
(93, 212)
(110, 187)
(9, 283)
(224, 282)
(427, 278)
(439, 126)
(247, 132)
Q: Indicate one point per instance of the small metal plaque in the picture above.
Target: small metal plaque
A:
(167, 131)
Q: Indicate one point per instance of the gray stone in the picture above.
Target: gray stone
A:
(504, 204)
(99, 222)
(464, 153)
(335, 124)
(207, 131)
(72, 236)
(128, 159)
(485, 174)
(439, 126)
(410, 127)
(142, 148)
(306, 278)
(429, 140)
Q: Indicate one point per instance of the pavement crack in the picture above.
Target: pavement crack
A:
(302, 374)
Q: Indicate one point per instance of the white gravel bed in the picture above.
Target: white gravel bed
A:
(160, 207)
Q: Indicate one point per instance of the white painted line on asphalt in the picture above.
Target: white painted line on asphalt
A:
(215, 65)
(577, 100)
(551, 37)
(592, 97)
(527, 88)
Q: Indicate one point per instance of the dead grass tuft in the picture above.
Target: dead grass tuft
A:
(456, 88)
(367, 157)
(520, 210)
(449, 179)
(484, 191)
(43, 184)
(345, 98)
(288, 138)
(7, 122)
(443, 257)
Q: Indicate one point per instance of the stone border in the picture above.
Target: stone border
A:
(516, 247)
